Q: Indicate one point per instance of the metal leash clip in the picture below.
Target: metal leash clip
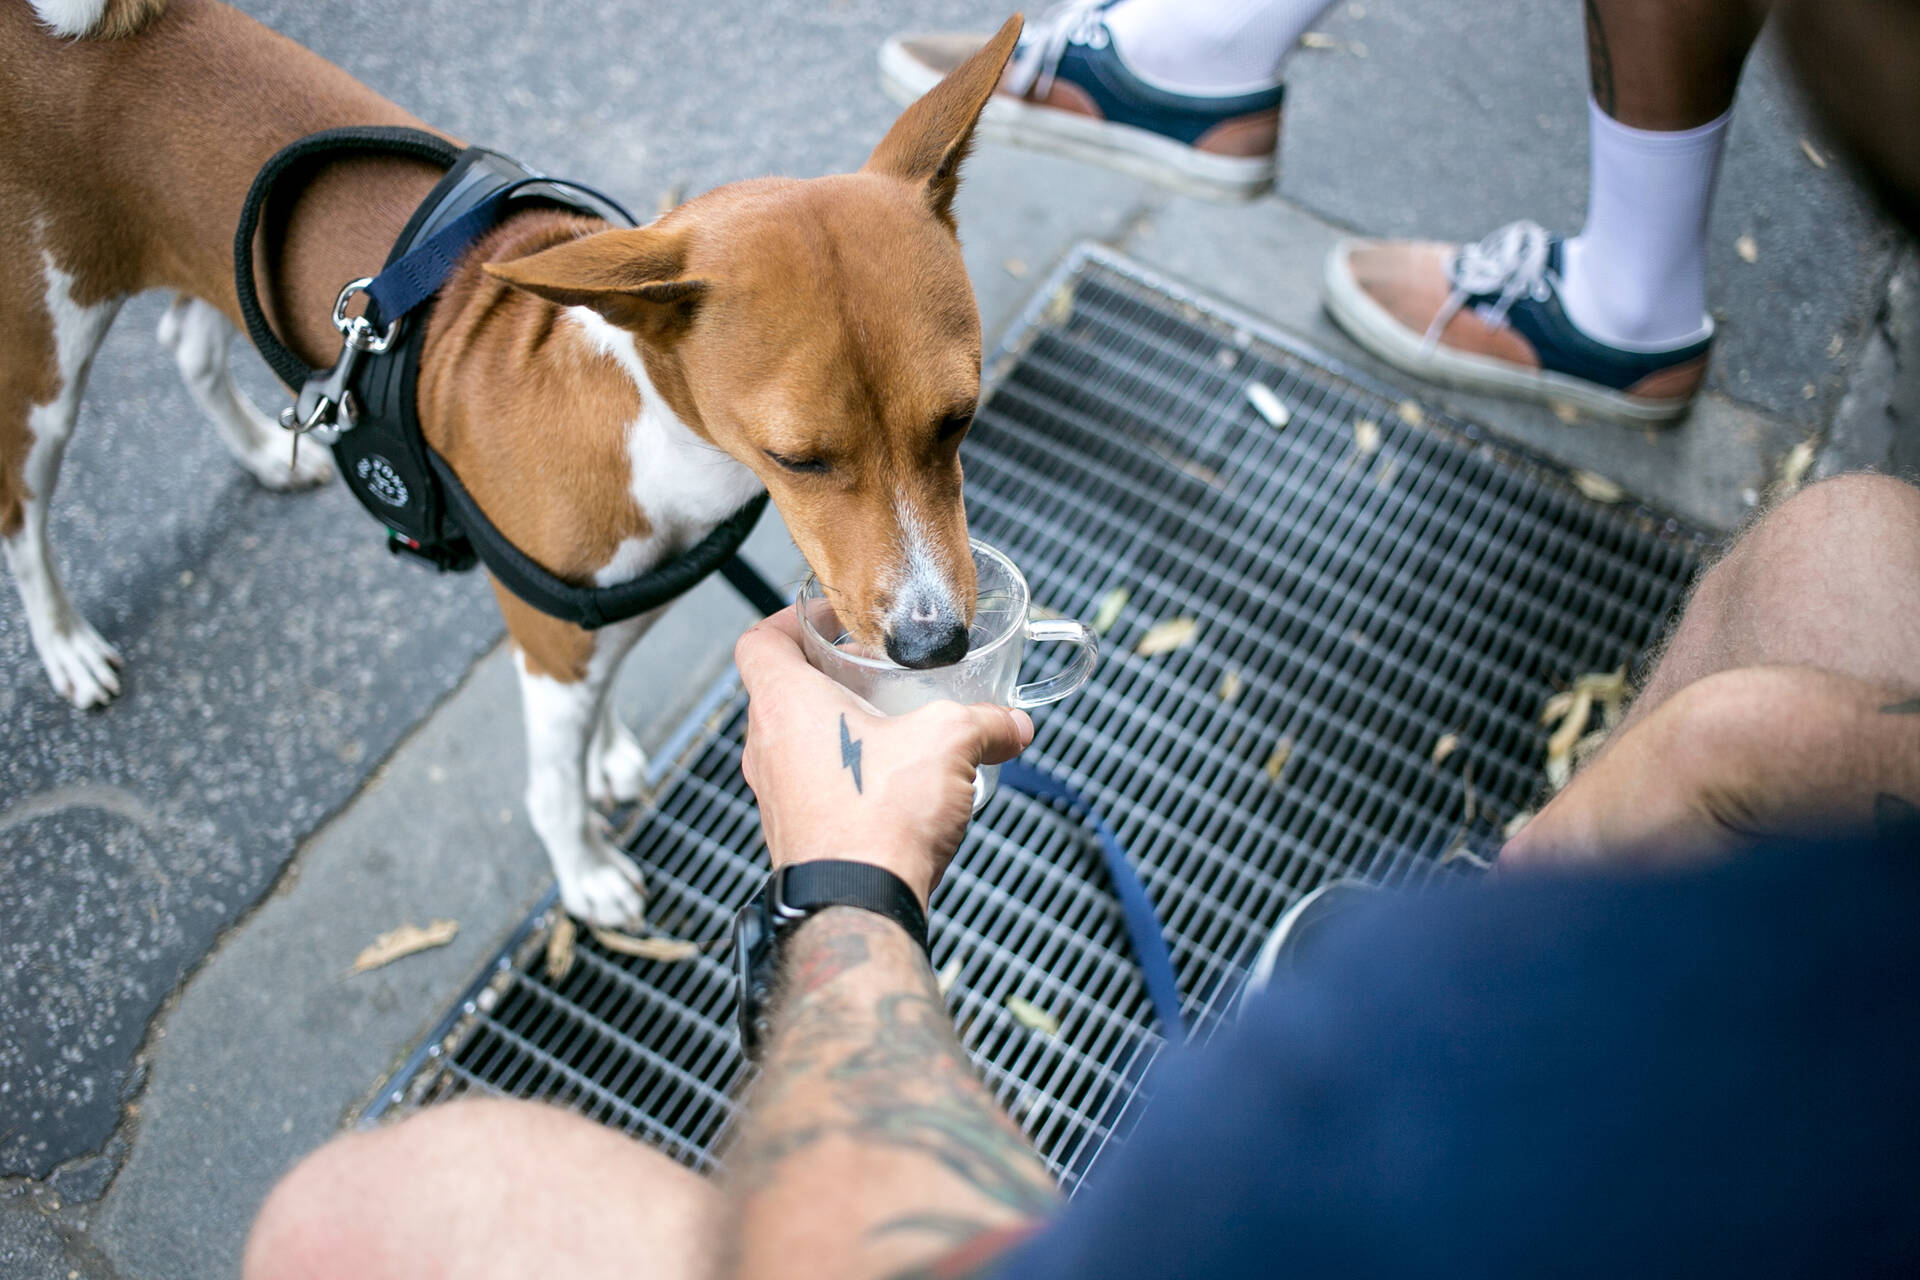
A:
(326, 405)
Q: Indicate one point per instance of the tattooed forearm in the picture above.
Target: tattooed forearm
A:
(1911, 707)
(1599, 60)
(850, 754)
(865, 1081)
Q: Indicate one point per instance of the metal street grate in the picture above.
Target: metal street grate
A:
(1372, 576)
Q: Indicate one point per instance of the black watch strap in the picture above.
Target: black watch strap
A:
(800, 890)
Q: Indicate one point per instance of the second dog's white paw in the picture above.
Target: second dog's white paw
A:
(81, 665)
(605, 888)
(616, 768)
(270, 467)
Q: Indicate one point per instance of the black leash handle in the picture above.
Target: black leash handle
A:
(391, 140)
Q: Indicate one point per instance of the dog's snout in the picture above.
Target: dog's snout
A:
(928, 642)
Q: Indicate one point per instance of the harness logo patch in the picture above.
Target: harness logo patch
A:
(381, 480)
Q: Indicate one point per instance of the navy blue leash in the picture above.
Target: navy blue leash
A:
(1143, 923)
(405, 284)
(1149, 939)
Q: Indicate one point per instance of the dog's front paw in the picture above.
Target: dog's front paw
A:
(616, 768)
(608, 890)
(273, 465)
(81, 665)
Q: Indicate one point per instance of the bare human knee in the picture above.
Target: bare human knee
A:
(1829, 579)
(484, 1188)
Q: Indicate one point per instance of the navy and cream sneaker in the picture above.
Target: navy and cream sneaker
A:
(1488, 317)
(1067, 91)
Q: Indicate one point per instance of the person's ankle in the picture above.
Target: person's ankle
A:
(1679, 321)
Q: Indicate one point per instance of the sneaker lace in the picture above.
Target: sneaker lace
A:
(1511, 261)
(1046, 40)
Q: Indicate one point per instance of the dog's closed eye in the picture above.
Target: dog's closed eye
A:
(953, 425)
(806, 466)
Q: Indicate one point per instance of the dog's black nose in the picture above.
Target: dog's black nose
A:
(934, 643)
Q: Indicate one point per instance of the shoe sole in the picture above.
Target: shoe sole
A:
(1370, 325)
(1139, 152)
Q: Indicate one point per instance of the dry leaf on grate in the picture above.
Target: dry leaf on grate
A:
(948, 975)
(1165, 637)
(1059, 308)
(1812, 153)
(1277, 761)
(1032, 1016)
(1448, 744)
(1366, 437)
(1268, 404)
(1517, 823)
(664, 950)
(1230, 685)
(560, 944)
(1107, 612)
(1411, 413)
(1748, 248)
(404, 941)
(1597, 486)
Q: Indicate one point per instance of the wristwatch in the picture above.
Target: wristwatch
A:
(790, 895)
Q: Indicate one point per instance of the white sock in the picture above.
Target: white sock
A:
(1637, 275)
(1209, 47)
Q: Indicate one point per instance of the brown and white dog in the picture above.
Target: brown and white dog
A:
(607, 395)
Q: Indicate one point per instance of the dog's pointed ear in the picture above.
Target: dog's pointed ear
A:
(931, 137)
(634, 276)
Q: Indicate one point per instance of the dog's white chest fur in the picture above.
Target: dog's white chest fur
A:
(684, 485)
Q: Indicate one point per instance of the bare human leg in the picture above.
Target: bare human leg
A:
(482, 1189)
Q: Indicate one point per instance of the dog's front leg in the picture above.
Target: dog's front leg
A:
(566, 675)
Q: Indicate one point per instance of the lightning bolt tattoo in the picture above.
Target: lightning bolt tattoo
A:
(850, 754)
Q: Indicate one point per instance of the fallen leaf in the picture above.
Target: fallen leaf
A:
(1277, 762)
(1572, 725)
(1268, 403)
(948, 975)
(1812, 153)
(1107, 612)
(1318, 40)
(1230, 686)
(665, 950)
(1015, 267)
(1597, 487)
(560, 947)
(1793, 468)
(1448, 744)
(1517, 823)
(1411, 413)
(1808, 391)
(1747, 248)
(1032, 1016)
(1559, 771)
(1565, 412)
(1460, 853)
(1388, 472)
(1835, 346)
(1469, 801)
(1165, 637)
(1059, 307)
(404, 941)
(1366, 437)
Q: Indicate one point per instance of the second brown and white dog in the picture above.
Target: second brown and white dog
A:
(607, 395)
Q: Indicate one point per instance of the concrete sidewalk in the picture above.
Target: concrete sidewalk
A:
(318, 744)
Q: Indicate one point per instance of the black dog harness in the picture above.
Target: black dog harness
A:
(364, 405)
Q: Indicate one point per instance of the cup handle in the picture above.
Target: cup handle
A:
(1058, 686)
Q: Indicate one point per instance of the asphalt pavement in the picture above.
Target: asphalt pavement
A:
(316, 742)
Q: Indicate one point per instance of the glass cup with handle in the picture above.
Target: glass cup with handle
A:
(990, 672)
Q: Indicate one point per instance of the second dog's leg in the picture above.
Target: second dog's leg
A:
(197, 335)
(565, 724)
